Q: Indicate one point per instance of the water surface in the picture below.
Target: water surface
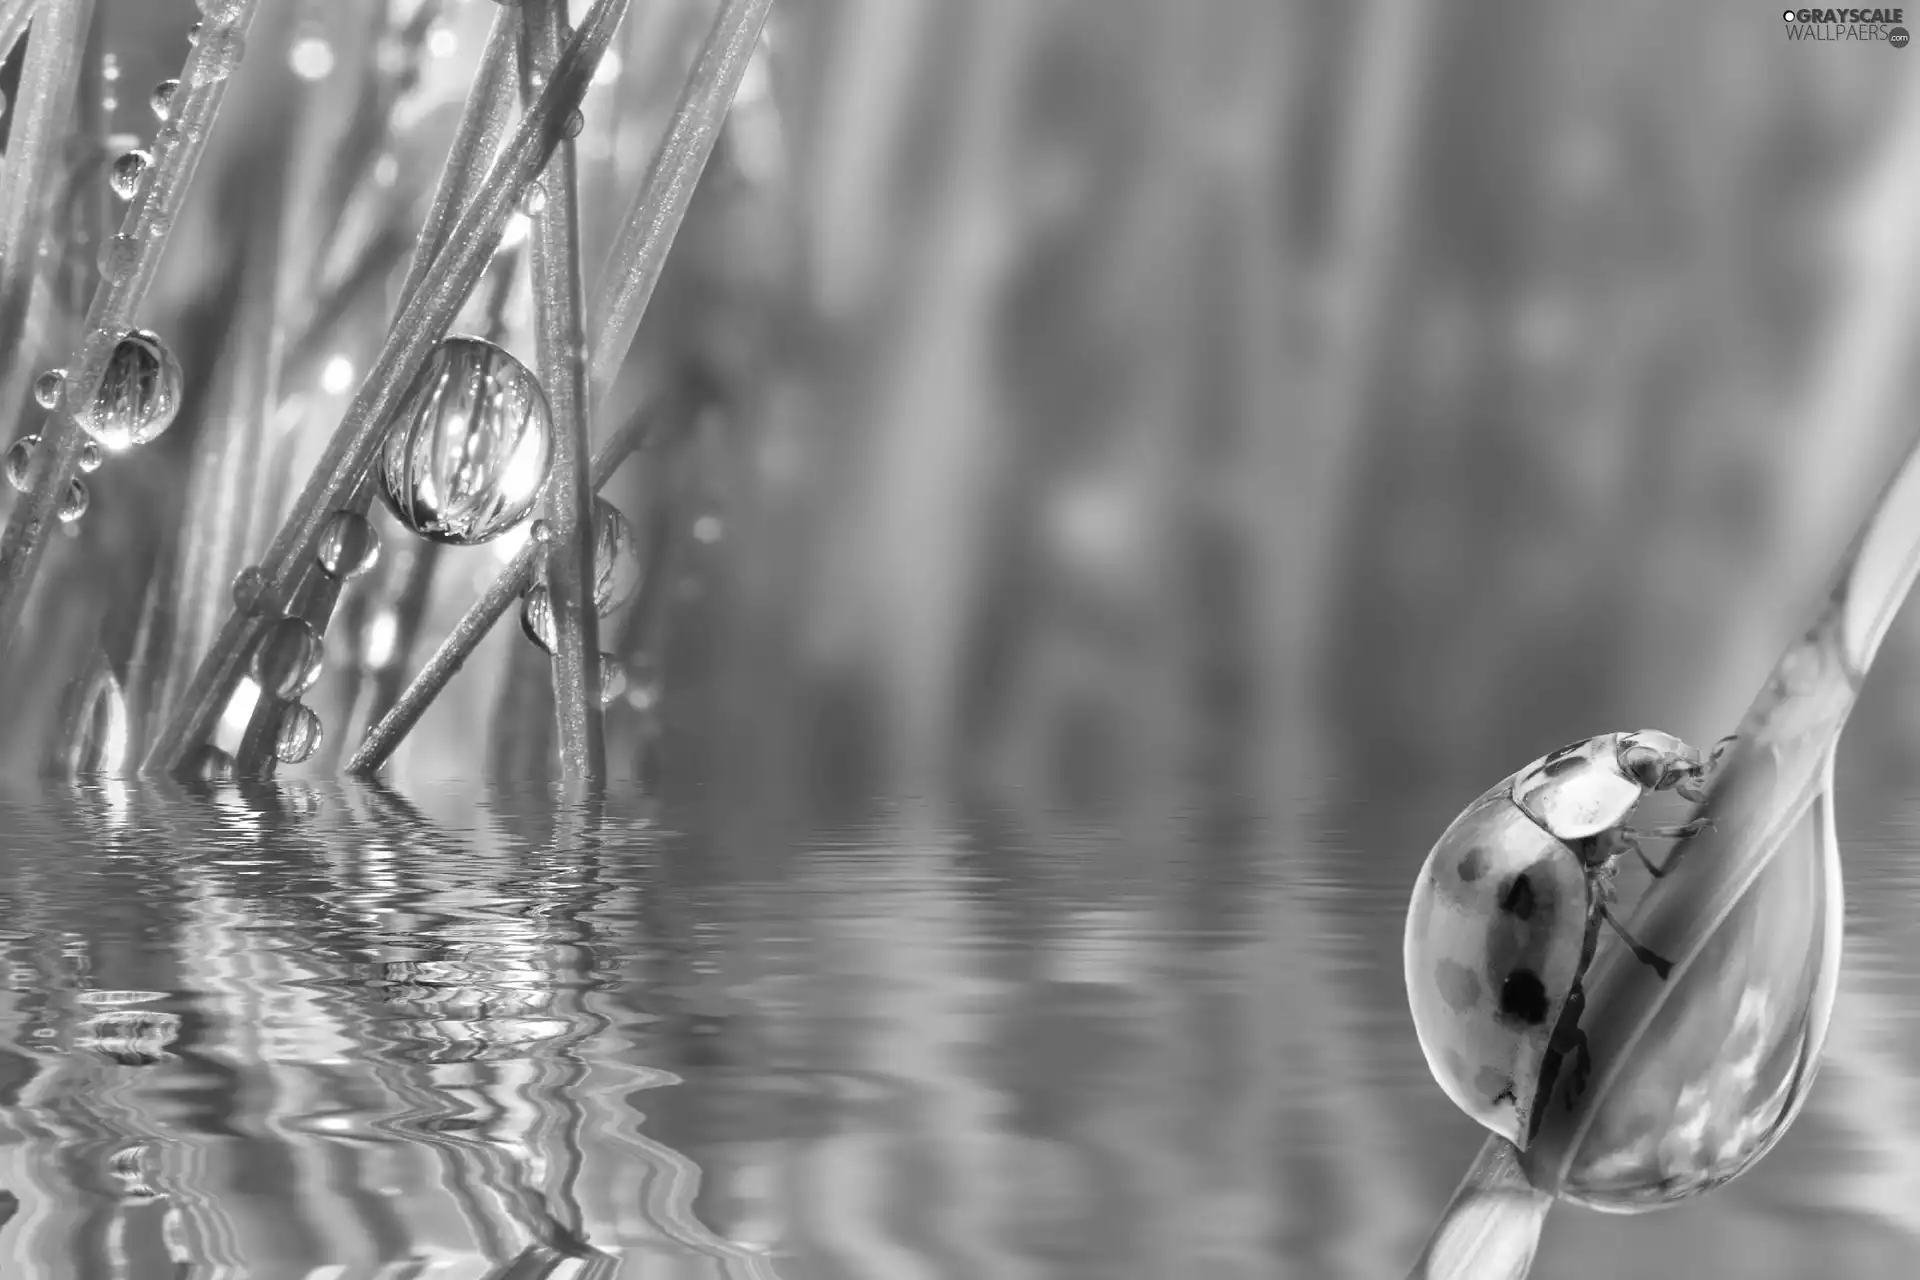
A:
(334, 1033)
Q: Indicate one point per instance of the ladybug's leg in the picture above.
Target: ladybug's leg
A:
(1658, 964)
(1694, 789)
(1567, 1047)
(1630, 837)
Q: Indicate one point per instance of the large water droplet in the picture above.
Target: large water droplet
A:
(613, 678)
(349, 545)
(75, 503)
(616, 558)
(47, 388)
(468, 451)
(298, 735)
(286, 657)
(20, 461)
(139, 395)
(126, 173)
(91, 456)
(162, 99)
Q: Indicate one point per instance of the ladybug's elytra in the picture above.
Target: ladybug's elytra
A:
(1507, 912)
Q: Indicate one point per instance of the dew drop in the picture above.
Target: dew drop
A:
(126, 173)
(298, 735)
(468, 452)
(20, 461)
(193, 33)
(613, 678)
(575, 123)
(541, 532)
(91, 456)
(535, 198)
(616, 558)
(162, 99)
(47, 388)
(139, 394)
(286, 658)
(75, 504)
(248, 586)
(119, 256)
(536, 617)
(349, 545)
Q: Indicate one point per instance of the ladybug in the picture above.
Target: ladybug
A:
(1507, 912)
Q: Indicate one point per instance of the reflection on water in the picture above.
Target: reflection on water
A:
(332, 1033)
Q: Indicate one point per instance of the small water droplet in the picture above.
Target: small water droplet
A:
(468, 452)
(75, 504)
(613, 678)
(119, 256)
(47, 388)
(20, 461)
(162, 99)
(193, 33)
(574, 124)
(286, 657)
(126, 173)
(349, 545)
(616, 558)
(541, 532)
(208, 763)
(535, 198)
(248, 586)
(139, 395)
(91, 456)
(536, 617)
(298, 735)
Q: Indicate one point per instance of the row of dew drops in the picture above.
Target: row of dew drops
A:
(140, 390)
(465, 459)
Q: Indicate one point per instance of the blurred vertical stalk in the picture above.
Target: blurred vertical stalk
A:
(568, 558)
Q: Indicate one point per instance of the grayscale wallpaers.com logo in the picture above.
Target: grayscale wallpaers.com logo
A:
(1847, 24)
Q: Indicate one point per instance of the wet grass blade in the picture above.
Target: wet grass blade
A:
(633, 270)
(177, 149)
(424, 315)
(568, 506)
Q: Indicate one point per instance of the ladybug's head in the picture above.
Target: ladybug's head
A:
(1658, 761)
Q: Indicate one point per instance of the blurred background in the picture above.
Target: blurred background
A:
(1150, 464)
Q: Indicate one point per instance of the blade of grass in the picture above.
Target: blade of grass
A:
(568, 552)
(42, 112)
(177, 148)
(508, 587)
(14, 17)
(633, 270)
(423, 317)
(640, 250)
(483, 120)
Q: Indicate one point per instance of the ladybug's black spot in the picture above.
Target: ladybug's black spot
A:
(1554, 768)
(1518, 900)
(1524, 997)
(1493, 1085)
(1474, 864)
(1459, 986)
